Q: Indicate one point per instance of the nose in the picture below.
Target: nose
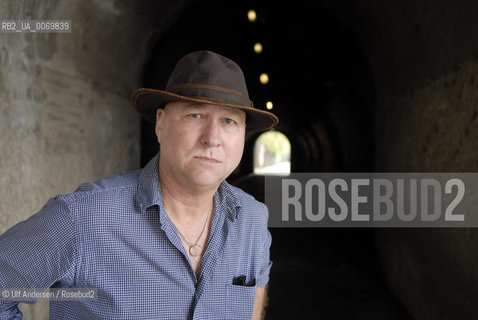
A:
(211, 135)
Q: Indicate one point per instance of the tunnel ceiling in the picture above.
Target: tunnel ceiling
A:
(304, 55)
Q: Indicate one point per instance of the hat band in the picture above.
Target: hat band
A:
(198, 90)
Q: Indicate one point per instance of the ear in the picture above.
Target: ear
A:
(160, 114)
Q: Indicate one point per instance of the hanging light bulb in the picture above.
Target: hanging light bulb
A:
(269, 105)
(252, 15)
(258, 47)
(264, 78)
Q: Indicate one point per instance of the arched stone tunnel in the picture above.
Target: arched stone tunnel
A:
(359, 86)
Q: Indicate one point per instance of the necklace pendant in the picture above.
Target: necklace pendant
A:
(195, 250)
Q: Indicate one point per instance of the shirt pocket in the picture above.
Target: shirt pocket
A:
(240, 301)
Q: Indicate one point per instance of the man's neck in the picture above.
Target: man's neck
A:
(185, 201)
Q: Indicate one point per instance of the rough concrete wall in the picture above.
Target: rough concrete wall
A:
(433, 129)
(65, 100)
(424, 56)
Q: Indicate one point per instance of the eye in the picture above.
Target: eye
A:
(229, 121)
(195, 115)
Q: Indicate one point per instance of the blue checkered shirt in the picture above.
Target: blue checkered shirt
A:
(115, 236)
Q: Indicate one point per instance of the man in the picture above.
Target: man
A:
(170, 241)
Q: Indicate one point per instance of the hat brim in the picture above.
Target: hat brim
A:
(146, 101)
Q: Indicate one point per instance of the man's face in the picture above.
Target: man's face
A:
(201, 144)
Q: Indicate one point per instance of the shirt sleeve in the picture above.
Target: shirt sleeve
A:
(265, 261)
(36, 253)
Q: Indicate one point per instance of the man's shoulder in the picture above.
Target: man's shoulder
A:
(104, 187)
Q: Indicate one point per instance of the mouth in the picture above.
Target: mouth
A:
(208, 160)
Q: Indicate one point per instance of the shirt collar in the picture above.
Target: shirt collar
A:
(149, 191)
(227, 198)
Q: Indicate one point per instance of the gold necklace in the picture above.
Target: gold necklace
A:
(195, 250)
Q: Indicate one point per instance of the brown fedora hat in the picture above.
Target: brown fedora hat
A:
(205, 77)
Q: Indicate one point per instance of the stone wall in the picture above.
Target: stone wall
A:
(424, 58)
(432, 129)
